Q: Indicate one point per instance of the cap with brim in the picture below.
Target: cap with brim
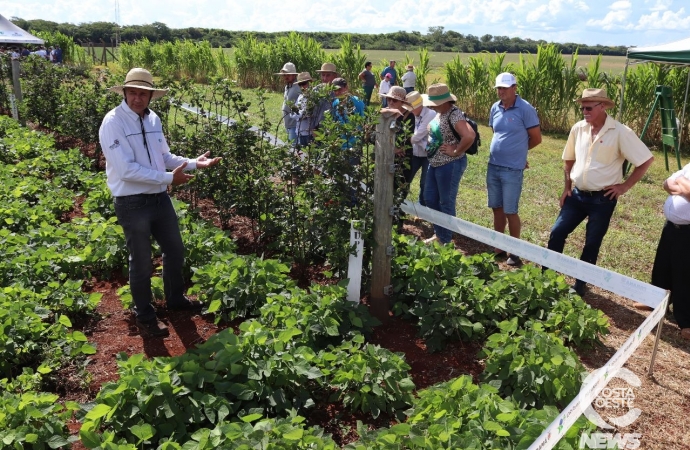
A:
(596, 95)
(438, 94)
(505, 80)
(414, 101)
(288, 69)
(328, 67)
(303, 77)
(396, 93)
(339, 82)
(141, 79)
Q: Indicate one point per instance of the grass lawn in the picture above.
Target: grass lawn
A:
(631, 241)
(614, 64)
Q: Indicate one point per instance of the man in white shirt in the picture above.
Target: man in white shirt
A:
(422, 118)
(593, 167)
(409, 79)
(139, 169)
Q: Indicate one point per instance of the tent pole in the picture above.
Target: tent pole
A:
(682, 115)
(620, 107)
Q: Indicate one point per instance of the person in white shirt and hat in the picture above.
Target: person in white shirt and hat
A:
(420, 138)
(593, 160)
(409, 79)
(139, 168)
(291, 93)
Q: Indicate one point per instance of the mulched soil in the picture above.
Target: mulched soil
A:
(664, 398)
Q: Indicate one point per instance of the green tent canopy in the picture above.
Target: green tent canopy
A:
(671, 53)
(674, 53)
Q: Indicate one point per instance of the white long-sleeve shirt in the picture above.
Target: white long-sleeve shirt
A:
(132, 167)
(420, 138)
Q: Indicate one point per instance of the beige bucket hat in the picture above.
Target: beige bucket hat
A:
(288, 69)
(303, 77)
(437, 94)
(596, 95)
(328, 67)
(141, 79)
(414, 101)
(396, 93)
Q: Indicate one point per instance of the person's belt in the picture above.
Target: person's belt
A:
(590, 193)
(142, 195)
(685, 226)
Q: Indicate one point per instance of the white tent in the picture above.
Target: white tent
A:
(12, 34)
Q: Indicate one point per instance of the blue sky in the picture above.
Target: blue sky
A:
(606, 22)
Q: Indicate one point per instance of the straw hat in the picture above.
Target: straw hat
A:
(414, 101)
(303, 77)
(410, 67)
(396, 93)
(596, 95)
(437, 94)
(141, 79)
(328, 67)
(288, 69)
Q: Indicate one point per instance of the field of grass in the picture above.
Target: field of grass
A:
(631, 241)
(614, 64)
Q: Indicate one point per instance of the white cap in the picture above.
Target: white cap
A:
(505, 79)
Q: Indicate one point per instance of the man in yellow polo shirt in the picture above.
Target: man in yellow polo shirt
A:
(593, 159)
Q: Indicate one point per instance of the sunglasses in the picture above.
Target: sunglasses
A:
(588, 108)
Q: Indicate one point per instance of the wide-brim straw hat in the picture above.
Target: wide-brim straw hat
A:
(288, 69)
(397, 93)
(328, 67)
(303, 76)
(414, 101)
(141, 79)
(410, 67)
(596, 95)
(437, 94)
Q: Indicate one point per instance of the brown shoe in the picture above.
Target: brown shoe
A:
(152, 327)
(685, 333)
(642, 307)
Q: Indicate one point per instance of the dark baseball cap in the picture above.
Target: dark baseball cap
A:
(339, 82)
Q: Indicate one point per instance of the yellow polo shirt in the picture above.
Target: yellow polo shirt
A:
(599, 164)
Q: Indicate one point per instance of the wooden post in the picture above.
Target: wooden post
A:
(16, 69)
(384, 172)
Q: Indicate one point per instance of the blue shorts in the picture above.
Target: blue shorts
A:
(504, 186)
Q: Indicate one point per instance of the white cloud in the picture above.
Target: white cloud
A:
(669, 20)
(612, 22)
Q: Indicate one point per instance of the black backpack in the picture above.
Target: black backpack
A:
(474, 148)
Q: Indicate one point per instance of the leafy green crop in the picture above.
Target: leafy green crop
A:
(532, 366)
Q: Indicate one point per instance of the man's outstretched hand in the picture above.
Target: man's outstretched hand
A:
(204, 161)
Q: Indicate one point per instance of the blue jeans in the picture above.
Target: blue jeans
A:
(576, 208)
(504, 186)
(367, 94)
(441, 189)
(292, 134)
(409, 89)
(305, 139)
(416, 163)
(142, 216)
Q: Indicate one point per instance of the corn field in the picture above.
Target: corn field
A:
(196, 61)
(549, 80)
(258, 62)
(552, 82)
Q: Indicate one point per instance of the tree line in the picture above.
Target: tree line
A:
(437, 38)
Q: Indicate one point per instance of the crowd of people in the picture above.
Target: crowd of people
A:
(433, 136)
(52, 54)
